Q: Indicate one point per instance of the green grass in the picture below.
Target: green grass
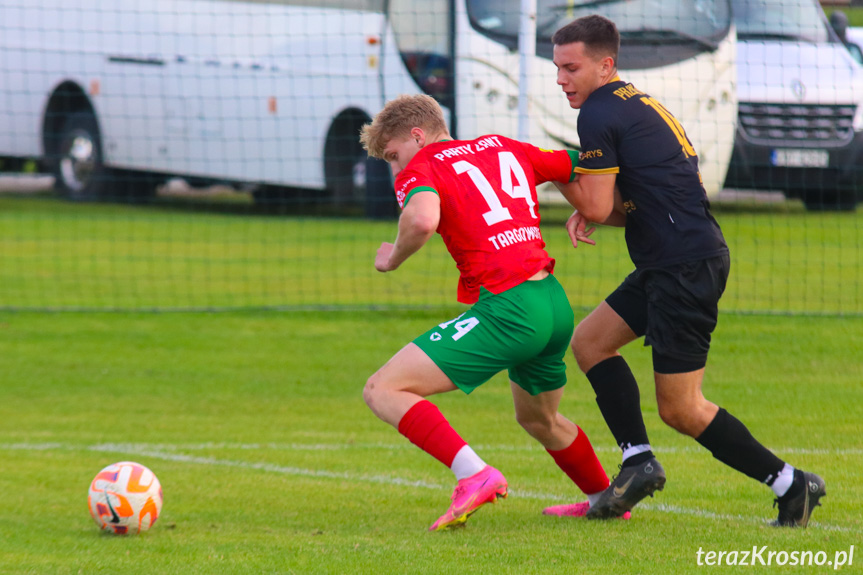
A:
(55, 254)
(271, 463)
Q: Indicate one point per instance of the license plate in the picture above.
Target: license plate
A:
(790, 158)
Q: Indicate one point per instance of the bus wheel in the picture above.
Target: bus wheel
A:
(380, 197)
(78, 169)
(345, 160)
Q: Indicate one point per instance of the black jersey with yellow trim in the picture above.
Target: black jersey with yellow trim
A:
(626, 132)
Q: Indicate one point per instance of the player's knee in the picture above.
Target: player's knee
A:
(582, 345)
(678, 416)
(540, 428)
(372, 390)
(378, 393)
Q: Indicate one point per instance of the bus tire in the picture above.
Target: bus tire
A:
(345, 160)
(380, 197)
(79, 171)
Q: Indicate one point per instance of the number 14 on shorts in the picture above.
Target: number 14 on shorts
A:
(461, 327)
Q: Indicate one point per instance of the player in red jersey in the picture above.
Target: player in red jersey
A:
(480, 195)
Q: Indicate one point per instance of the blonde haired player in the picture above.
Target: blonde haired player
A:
(480, 195)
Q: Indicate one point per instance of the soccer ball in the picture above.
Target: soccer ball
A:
(125, 498)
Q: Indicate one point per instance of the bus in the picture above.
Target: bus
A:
(113, 98)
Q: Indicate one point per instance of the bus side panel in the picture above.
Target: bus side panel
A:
(243, 91)
(53, 42)
(23, 95)
(131, 116)
(487, 90)
(266, 117)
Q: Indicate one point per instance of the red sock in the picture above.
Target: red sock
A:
(428, 429)
(580, 463)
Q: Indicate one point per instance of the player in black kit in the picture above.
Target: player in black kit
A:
(638, 169)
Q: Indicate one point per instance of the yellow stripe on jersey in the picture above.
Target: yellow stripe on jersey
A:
(581, 170)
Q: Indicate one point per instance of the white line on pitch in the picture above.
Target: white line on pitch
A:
(156, 453)
(396, 446)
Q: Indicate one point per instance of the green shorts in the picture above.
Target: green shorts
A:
(525, 329)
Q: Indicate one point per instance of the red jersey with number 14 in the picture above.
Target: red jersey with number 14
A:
(489, 214)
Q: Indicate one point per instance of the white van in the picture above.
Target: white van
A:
(800, 122)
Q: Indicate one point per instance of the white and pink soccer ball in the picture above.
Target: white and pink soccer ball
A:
(125, 498)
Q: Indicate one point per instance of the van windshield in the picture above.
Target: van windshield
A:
(652, 32)
(799, 20)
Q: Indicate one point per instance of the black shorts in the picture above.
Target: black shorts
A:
(675, 309)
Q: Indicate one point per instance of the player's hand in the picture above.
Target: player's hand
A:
(382, 259)
(578, 231)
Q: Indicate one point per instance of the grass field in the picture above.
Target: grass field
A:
(270, 461)
(54, 254)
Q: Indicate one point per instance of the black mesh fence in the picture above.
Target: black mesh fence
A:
(204, 154)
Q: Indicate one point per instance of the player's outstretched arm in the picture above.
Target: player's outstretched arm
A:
(417, 224)
(592, 195)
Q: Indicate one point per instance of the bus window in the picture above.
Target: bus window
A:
(422, 31)
(653, 33)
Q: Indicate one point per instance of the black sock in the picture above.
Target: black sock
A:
(620, 404)
(731, 443)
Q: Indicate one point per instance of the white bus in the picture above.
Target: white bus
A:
(114, 96)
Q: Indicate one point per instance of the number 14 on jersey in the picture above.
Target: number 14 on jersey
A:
(513, 182)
